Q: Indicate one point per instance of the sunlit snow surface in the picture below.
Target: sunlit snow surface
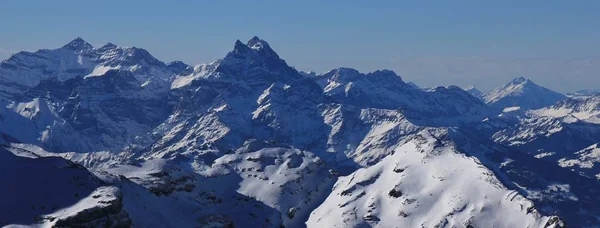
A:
(248, 141)
(423, 185)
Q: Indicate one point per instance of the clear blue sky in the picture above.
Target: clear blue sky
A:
(485, 43)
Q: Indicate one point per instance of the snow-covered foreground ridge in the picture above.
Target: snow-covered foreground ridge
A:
(424, 184)
(121, 139)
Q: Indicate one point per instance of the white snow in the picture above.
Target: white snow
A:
(421, 185)
(511, 109)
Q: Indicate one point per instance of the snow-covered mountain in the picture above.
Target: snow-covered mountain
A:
(248, 141)
(384, 89)
(523, 93)
(426, 184)
(585, 109)
(25, 70)
(88, 114)
(565, 133)
(83, 99)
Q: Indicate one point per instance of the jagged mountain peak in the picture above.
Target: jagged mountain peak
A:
(257, 43)
(78, 44)
(253, 62)
(247, 60)
(254, 47)
(78, 58)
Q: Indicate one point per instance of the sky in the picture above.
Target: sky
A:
(431, 43)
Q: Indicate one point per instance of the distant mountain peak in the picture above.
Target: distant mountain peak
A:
(475, 92)
(247, 60)
(78, 44)
(472, 89)
(238, 44)
(256, 43)
(385, 73)
(255, 48)
(109, 45)
(520, 80)
(586, 92)
(346, 74)
(522, 92)
(346, 70)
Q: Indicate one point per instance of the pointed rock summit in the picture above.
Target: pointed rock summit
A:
(520, 80)
(257, 52)
(257, 44)
(78, 44)
(254, 46)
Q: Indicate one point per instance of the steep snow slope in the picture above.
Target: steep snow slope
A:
(426, 184)
(523, 93)
(553, 190)
(261, 175)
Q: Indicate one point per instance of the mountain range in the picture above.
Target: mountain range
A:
(113, 137)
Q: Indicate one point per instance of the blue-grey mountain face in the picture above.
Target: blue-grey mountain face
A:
(249, 141)
(521, 93)
(585, 93)
(475, 92)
